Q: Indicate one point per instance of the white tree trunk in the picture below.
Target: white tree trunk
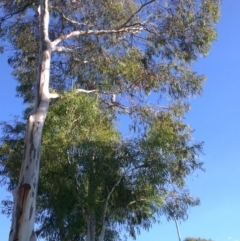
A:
(22, 228)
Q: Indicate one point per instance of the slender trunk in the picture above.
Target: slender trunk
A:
(91, 227)
(104, 224)
(103, 231)
(178, 232)
(22, 228)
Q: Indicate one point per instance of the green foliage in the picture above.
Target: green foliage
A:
(78, 117)
(87, 168)
(168, 140)
(85, 165)
(197, 239)
(157, 57)
(89, 164)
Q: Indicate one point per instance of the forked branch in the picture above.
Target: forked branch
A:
(134, 14)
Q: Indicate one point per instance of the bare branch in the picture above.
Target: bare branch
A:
(62, 49)
(96, 32)
(142, 6)
(68, 19)
(86, 91)
(54, 95)
(20, 10)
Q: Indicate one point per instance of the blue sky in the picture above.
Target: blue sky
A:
(215, 116)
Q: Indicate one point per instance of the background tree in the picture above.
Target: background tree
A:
(89, 176)
(127, 48)
(196, 239)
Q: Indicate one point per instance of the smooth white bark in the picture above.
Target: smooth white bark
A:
(22, 228)
(97, 32)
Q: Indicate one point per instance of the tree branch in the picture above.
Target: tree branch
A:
(85, 91)
(62, 49)
(112, 190)
(38, 232)
(96, 32)
(68, 19)
(105, 208)
(142, 6)
(8, 16)
(54, 95)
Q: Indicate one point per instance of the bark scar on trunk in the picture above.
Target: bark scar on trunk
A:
(23, 194)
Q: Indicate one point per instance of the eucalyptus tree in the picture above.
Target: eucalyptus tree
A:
(120, 50)
(196, 239)
(92, 182)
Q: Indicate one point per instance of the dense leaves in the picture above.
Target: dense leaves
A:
(131, 58)
(88, 170)
(155, 56)
(197, 239)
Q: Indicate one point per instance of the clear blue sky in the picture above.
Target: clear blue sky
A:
(216, 118)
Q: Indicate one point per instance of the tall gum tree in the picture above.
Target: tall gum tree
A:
(124, 48)
(25, 194)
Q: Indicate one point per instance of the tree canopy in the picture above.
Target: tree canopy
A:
(197, 239)
(107, 60)
(87, 169)
(130, 48)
